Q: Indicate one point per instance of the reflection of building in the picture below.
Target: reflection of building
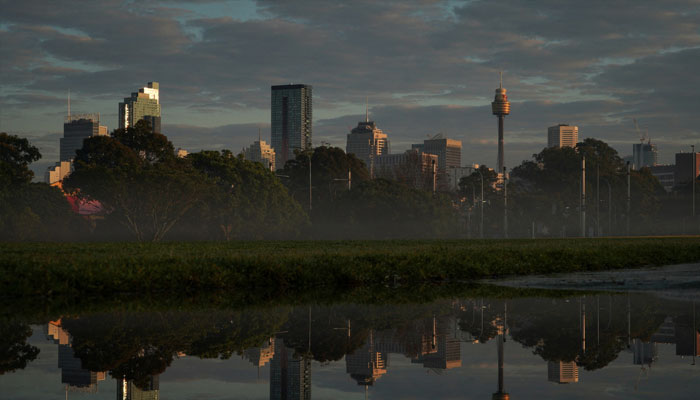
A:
(291, 121)
(644, 352)
(290, 374)
(562, 372)
(261, 152)
(687, 341)
(259, 356)
(367, 142)
(142, 105)
(72, 374)
(666, 332)
(445, 355)
(365, 365)
(128, 390)
(562, 135)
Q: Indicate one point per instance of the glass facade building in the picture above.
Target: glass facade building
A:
(144, 104)
(76, 129)
(291, 116)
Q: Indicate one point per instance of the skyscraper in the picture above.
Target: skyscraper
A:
(290, 374)
(449, 151)
(261, 152)
(562, 135)
(500, 107)
(144, 104)
(366, 141)
(644, 155)
(291, 120)
(76, 129)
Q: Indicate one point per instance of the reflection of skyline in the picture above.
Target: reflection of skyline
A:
(128, 390)
(562, 372)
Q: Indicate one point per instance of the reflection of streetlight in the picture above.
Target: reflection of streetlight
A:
(609, 207)
(501, 395)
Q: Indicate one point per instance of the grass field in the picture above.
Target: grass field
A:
(271, 268)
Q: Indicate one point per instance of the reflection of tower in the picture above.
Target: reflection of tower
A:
(439, 351)
(128, 390)
(562, 372)
(500, 107)
(501, 395)
(290, 375)
(365, 365)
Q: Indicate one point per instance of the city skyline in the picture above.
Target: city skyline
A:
(599, 76)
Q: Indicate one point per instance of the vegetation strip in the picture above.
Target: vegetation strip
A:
(102, 269)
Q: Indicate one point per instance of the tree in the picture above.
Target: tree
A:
(245, 199)
(15, 353)
(15, 156)
(137, 179)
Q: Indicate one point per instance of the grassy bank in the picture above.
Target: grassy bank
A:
(268, 269)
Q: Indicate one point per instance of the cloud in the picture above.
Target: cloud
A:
(429, 65)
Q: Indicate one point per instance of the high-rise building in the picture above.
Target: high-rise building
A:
(500, 107)
(128, 390)
(643, 155)
(76, 129)
(57, 172)
(367, 142)
(411, 167)
(685, 170)
(665, 175)
(449, 151)
(562, 135)
(144, 104)
(562, 372)
(291, 120)
(261, 152)
(260, 356)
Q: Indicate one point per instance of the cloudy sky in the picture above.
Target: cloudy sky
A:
(427, 66)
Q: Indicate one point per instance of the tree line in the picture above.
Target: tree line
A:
(145, 192)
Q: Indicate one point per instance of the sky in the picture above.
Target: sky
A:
(424, 67)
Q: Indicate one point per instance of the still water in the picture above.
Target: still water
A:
(626, 346)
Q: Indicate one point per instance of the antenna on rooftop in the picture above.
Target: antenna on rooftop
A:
(259, 136)
(367, 109)
(69, 105)
(500, 79)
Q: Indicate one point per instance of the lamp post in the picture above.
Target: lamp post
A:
(583, 196)
(505, 204)
(597, 201)
(481, 205)
(629, 198)
(609, 207)
(694, 178)
(309, 154)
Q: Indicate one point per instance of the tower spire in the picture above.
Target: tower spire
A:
(367, 109)
(500, 79)
(69, 105)
(259, 136)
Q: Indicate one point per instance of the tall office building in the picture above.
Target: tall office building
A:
(643, 155)
(562, 135)
(562, 372)
(261, 152)
(367, 142)
(144, 104)
(76, 129)
(449, 151)
(685, 170)
(291, 118)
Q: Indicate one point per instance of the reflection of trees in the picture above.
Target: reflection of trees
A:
(136, 346)
(15, 353)
(554, 327)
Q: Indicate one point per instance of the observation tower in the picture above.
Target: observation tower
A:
(500, 108)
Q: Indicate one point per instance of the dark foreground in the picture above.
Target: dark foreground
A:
(271, 269)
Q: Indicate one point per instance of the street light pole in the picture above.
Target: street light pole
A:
(694, 178)
(505, 204)
(597, 201)
(434, 176)
(583, 196)
(309, 180)
(629, 198)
